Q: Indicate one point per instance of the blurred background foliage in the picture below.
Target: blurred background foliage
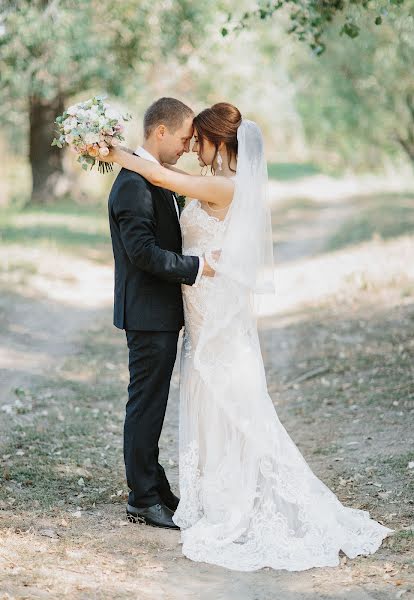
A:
(329, 82)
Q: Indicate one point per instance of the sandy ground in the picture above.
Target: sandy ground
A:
(95, 553)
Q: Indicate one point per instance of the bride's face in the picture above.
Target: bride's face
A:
(205, 156)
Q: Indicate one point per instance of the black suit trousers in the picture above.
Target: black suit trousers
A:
(152, 356)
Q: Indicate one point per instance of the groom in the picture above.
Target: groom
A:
(149, 271)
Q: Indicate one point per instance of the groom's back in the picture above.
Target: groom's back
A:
(141, 214)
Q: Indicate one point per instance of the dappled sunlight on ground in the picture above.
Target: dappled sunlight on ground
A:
(57, 276)
(101, 552)
(371, 266)
(322, 188)
(338, 355)
(80, 222)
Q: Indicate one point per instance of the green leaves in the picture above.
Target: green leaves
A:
(357, 106)
(50, 49)
(86, 161)
(350, 28)
(311, 18)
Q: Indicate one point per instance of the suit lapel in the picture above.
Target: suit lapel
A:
(170, 202)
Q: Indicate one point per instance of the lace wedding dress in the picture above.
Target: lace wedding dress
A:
(248, 498)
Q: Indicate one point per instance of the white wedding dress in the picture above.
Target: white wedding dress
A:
(248, 498)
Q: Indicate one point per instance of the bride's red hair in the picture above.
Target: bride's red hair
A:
(219, 124)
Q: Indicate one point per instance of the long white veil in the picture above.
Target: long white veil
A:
(227, 354)
(247, 250)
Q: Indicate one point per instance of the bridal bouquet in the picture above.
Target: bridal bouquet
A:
(90, 128)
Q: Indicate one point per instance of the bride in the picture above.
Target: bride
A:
(248, 498)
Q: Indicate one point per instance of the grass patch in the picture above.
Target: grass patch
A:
(384, 216)
(400, 463)
(63, 208)
(326, 450)
(59, 235)
(64, 443)
(404, 534)
(290, 171)
(67, 226)
(295, 204)
(293, 212)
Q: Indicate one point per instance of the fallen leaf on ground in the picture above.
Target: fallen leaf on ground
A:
(50, 533)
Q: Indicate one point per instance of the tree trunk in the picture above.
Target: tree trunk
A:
(407, 144)
(45, 160)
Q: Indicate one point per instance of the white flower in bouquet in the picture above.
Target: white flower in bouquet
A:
(112, 114)
(69, 124)
(91, 128)
(91, 138)
(81, 114)
(72, 110)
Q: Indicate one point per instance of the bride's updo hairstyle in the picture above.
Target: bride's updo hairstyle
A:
(219, 124)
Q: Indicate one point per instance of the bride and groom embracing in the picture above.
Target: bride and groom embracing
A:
(248, 499)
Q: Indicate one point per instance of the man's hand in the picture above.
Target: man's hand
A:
(207, 270)
(216, 255)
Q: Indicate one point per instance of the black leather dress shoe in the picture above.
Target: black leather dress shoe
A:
(157, 515)
(171, 501)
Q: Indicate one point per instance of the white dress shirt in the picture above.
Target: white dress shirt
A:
(145, 154)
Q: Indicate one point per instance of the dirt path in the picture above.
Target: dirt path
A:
(49, 307)
(314, 341)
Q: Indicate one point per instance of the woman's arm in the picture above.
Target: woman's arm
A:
(172, 168)
(217, 191)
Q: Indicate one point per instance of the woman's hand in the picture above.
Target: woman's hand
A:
(112, 156)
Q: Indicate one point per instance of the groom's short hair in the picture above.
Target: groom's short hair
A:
(166, 111)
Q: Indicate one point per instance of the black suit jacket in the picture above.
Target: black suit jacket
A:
(147, 246)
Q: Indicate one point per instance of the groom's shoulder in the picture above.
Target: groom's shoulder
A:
(127, 175)
(129, 180)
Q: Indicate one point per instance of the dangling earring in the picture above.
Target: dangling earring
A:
(205, 172)
(219, 162)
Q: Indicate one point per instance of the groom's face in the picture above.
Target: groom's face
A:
(173, 145)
